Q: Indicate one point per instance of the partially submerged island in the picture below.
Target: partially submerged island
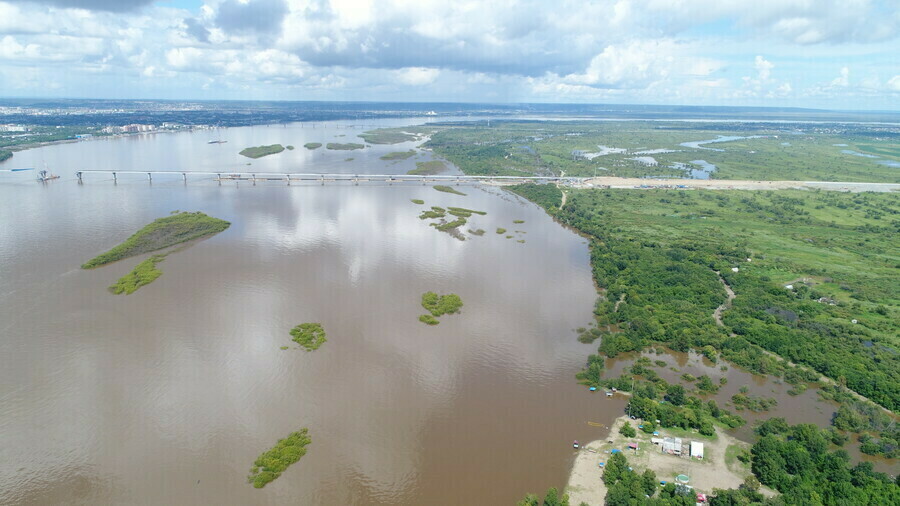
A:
(143, 273)
(452, 227)
(309, 335)
(160, 234)
(447, 189)
(344, 146)
(398, 155)
(273, 462)
(312, 145)
(428, 168)
(439, 305)
(261, 151)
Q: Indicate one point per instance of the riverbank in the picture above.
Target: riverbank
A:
(733, 184)
(719, 467)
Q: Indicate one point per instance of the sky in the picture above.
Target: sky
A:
(831, 54)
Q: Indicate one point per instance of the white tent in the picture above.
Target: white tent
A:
(696, 449)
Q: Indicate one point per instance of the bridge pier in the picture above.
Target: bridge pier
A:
(150, 177)
(184, 177)
(254, 179)
(79, 177)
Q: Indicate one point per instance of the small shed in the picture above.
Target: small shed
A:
(632, 446)
(696, 449)
(656, 440)
(672, 445)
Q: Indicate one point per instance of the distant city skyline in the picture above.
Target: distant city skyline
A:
(826, 54)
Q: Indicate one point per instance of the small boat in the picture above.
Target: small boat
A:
(216, 142)
(44, 176)
(575, 444)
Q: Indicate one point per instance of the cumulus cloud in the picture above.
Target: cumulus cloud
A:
(843, 79)
(621, 50)
(257, 16)
(894, 83)
(193, 28)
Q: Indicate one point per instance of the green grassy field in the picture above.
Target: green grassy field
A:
(785, 151)
(840, 253)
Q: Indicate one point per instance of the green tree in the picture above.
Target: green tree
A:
(675, 394)
(627, 430)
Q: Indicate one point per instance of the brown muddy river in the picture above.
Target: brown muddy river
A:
(168, 395)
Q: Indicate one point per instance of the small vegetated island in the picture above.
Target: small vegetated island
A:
(452, 227)
(344, 146)
(312, 145)
(261, 151)
(439, 305)
(309, 335)
(273, 462)
(5, 155)
(428, 168)
(160, 234)
(447, 189)
(398, 155)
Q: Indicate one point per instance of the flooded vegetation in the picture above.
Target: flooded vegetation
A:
(143, 273)
(310, 336)
(269, 466)
(447, 189)
(398, 155)
(428, 168)
(439, 305)
(344, 146)
(312, 145)
(162, 233)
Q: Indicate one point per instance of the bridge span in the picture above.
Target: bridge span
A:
(255, 177)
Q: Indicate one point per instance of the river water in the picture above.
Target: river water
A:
(168, 395)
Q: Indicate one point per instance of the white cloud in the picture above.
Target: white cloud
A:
(763, 68)
(843, 79)
(894, 83)
(417, 76)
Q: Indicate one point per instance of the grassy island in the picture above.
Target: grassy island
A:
(398, 155)
(417, 201)
(309, 335)
(143, 274)
(447, 189)
(261, 151)
(273, 462)
(428, 319)
(388, 136)
(162, 233)
(439, 305)
(428, 168)
(312, 145)
(5, 154)
(344, 146)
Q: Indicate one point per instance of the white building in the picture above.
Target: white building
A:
(696, 449)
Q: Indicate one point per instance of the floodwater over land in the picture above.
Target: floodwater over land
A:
(166, 396)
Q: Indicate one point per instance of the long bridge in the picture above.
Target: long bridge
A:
(255, 177)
